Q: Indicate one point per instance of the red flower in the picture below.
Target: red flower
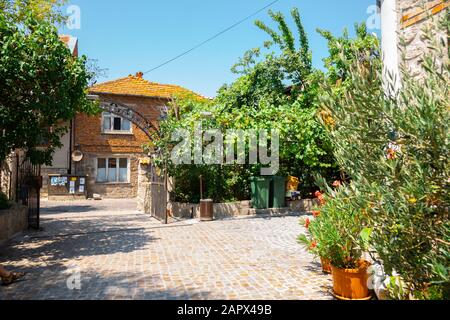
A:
(316, 214)
(308, 222)
(318, 194)
(321, 200)
(313, 245)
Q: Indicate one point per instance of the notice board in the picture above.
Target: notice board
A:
(67, 185)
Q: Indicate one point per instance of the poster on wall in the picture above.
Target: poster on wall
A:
(54, 181)
(81, 190)
(82, 181)
(72, 190)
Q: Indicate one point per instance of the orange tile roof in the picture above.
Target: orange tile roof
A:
(137, 86)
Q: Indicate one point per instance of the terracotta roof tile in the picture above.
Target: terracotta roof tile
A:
(137, 86)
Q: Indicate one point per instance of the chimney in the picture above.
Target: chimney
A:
(139, 74)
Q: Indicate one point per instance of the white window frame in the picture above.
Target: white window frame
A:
(117, 157)
(112, 116)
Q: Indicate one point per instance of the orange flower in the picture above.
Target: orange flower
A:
(391, 154)
(316, 214)
(313, 245)
(308, 222)
(318, 194)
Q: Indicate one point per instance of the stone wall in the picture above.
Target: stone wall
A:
(143, 200)
(7, 177)
(221, 210)
(13, 221)
(305, 205)
(236, 209)
(414, 15)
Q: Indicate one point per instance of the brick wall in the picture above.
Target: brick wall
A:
(94, 144)
(88, 129)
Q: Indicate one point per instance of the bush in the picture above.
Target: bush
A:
(395, 149)
(338, 231)
(4, 202)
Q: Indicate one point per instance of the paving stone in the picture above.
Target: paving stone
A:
(119, 253)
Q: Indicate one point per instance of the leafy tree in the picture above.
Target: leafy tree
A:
(279, 90)
(44, 10)
(343, 49)
(41, 86)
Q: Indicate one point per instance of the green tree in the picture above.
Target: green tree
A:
(41, 86)
(44, 10)
(279, 90)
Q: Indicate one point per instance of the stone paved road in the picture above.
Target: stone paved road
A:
(122, 254)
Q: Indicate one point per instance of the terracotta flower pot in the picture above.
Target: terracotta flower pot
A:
(351, 284)
(326, 265)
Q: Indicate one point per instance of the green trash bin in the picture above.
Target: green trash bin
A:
(278, 192)
(260, 192)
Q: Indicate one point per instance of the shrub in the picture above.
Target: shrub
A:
(395, 149)
(4, 202)
(338, 231)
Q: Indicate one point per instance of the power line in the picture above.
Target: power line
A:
(212, 38)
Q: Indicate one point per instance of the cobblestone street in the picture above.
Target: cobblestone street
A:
(119, 253)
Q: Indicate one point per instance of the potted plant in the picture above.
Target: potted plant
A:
(338, 234)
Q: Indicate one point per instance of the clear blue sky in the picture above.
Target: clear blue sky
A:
(137, 35)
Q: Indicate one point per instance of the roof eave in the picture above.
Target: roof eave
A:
(128, 95)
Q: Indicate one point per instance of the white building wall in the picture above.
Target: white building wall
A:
(389, 43)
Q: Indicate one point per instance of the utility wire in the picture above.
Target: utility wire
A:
(212, 38)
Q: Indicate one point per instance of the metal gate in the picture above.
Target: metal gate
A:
(158, 195)
(29, 185)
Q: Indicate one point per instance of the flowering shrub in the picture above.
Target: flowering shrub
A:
(337, 232)
(395, 146)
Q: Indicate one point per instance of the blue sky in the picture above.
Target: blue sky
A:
(137, 35)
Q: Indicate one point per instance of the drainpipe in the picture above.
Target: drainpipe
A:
(389, 45)
(72, 137)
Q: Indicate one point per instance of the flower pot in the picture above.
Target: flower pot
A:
(326, 265)
(351, 284)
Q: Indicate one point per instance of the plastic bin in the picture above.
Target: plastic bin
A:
(278, 192)
(268, 192)
(260, 188)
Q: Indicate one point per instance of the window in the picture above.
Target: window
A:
(115, 124)
(112, 170)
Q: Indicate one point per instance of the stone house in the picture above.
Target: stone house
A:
(112, 146)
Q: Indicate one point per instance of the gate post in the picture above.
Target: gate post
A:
(144, 177)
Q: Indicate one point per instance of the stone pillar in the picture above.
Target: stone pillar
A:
(144, 177)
